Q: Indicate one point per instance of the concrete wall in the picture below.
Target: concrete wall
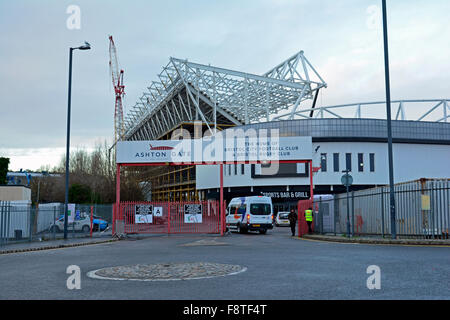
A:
(14, 193)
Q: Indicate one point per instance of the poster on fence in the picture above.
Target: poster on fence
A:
(192, 213)
(70, 212)
(158, 211)
(143, 213)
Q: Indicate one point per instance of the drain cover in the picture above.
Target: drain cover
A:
(167, 271)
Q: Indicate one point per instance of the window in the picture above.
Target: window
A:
(348, 161)
(229, 169)
(236, 209)
(360, 162)
(235, 169)
(284, 215)
(323, 162)
(242, 169)
(284, 170)
(336, 162)
(372, 162)
(260, 209)
(300, 167)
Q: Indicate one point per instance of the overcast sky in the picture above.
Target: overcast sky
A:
(342, 39)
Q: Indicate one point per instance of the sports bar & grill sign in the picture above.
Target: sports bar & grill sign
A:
(286, 194)
(214, 150)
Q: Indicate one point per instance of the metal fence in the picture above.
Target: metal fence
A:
(25, 222)
(168, 217)
(422, 211)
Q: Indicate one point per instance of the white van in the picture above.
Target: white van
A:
(253, 213)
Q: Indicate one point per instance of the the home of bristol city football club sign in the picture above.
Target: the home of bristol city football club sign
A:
(214, 150)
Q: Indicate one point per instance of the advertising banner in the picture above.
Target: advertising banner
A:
(158, 211)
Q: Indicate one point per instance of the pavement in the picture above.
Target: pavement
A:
(278, 266)
(378, 240)
(27, 246)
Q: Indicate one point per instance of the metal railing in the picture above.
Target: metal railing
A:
(26, 222)
(423, 211)
(436, 110)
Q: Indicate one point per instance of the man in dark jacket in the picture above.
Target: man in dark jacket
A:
(292, 221)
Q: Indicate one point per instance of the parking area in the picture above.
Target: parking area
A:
(277, 266)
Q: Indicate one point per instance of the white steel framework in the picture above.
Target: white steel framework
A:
(188, 91)
(435, 110)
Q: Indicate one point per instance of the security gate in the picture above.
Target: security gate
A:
(167, 217)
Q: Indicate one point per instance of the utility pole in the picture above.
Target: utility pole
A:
(389, 123)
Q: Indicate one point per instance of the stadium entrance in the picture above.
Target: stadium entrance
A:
(195, 216)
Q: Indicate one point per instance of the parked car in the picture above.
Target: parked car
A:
(282, 219)
(98, 222)
(81, 223)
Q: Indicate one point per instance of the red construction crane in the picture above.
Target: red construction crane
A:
(119, 90)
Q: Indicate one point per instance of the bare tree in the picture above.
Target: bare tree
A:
(95, 169)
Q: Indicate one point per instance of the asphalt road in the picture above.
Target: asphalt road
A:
(278, 267)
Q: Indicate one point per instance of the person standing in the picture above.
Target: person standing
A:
(309, 218)
(292, 221)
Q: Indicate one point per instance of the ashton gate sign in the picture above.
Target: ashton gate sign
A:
(215, 149)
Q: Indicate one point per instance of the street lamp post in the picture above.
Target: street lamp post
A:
(347, 180)
(86, 46)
